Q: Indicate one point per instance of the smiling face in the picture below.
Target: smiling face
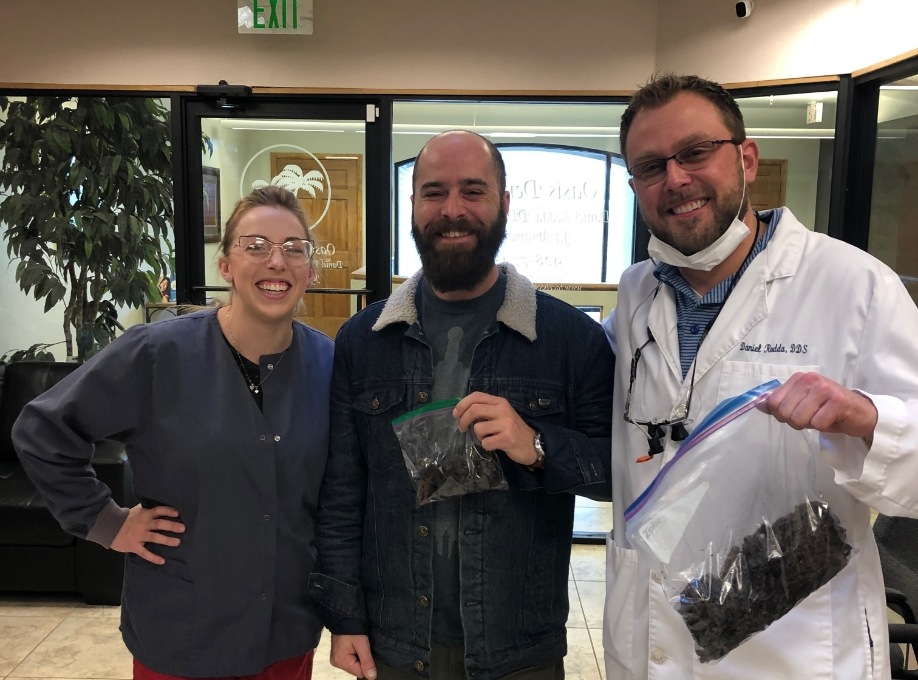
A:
(270, 289)
(689, 210)
(459, 214)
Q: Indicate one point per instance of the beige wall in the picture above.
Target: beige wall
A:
(476, 45)
(782, 38)
(381, 45)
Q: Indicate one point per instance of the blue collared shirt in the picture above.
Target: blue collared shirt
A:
(693, 311)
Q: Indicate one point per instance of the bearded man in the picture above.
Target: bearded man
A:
(473, 586)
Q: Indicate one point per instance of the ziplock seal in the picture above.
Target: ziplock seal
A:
(433, 406)
(725, 412)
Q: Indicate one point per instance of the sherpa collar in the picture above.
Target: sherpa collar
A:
(518, 310)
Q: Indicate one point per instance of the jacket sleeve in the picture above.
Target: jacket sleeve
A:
(886, 372)
(578, 459)
(335, 583)
(56, 434)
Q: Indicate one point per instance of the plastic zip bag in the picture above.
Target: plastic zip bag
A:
(735, 525)
(442, 461)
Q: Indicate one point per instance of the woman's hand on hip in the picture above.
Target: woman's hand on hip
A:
(144, 525)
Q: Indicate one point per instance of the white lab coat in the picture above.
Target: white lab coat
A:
(835, 310)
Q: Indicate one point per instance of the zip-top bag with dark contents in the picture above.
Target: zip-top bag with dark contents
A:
(735, 526)
(441, 460)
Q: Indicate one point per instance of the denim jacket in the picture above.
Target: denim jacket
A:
(374, 571)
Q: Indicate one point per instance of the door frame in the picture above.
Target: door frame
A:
(188, 111)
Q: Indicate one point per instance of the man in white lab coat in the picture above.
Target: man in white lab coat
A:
(730, 299)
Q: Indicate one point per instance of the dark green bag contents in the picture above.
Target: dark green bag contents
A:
(442, 461)
(763, 578)
(735, 525)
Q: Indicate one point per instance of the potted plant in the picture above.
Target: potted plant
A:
(87, 207)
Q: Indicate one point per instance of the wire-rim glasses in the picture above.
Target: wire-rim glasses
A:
(693, 157)
(296, 251)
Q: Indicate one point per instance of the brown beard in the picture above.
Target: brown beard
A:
(451, 269)
(728, 207)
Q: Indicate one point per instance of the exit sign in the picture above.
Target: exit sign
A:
(275, 16)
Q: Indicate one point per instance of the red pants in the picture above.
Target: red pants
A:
(297, 668)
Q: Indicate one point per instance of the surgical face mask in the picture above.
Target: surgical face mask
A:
(704, 260)
(707, 258)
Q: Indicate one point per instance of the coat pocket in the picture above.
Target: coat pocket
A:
(624, 632)
(159, 612)
(802, 643)
(739, 376)
(374, 410)
(536, 402)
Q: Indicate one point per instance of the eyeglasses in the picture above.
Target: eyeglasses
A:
(693, 157)
(654, 428)
(296, 251)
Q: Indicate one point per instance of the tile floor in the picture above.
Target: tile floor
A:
(61, 639)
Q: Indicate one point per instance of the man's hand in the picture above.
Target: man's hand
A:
(142, 526)
(497, 426)
(810, 400)
(351, 653)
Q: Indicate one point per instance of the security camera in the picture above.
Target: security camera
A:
(744, 9)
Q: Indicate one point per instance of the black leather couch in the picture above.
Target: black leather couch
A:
(36, 555)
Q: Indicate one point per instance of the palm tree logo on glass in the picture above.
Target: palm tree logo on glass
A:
(292, 179)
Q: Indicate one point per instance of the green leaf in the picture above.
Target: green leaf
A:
(64, 142)
(88, 202)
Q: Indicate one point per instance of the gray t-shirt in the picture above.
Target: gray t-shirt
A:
(453, 330)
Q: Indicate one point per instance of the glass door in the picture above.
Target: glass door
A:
(893, 222)
(326, 153)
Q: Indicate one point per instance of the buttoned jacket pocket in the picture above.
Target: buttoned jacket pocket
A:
(375, 407)
(535, 402)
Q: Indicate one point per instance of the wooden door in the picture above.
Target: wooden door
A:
(768, 190)
(339, 235)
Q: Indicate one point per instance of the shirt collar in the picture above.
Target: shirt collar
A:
(670, 275)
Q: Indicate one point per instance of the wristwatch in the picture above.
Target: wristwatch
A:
(540, 453)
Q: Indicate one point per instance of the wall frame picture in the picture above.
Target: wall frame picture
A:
(211, 197)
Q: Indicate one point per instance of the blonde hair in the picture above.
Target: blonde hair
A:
(269, 197)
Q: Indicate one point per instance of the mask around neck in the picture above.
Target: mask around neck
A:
(703, 260)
